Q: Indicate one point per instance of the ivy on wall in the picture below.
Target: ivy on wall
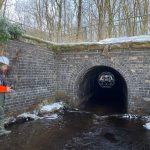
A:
(9, 30)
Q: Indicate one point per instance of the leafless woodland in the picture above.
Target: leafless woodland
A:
(79, 20)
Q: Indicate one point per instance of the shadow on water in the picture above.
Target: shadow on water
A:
(78, 130)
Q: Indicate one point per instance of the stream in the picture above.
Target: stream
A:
(78, 130)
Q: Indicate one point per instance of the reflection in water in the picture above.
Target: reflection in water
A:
(78, 130)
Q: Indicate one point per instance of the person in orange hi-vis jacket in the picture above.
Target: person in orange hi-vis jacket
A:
(4, 64)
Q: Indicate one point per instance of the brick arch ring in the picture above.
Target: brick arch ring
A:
(81, 70)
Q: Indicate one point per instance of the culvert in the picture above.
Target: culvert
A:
(103, 87)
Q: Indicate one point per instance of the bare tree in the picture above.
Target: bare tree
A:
(1, 3)
(79, 18)
(59, 6)
(4, 9)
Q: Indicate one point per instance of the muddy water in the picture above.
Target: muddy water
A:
(78, 130)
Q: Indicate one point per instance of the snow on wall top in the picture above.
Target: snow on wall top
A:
(142, 38)
(142, 41)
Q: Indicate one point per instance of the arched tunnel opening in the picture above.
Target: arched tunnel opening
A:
(103, 89)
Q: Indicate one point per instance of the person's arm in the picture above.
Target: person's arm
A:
(4, 86)
(4, 89)
(9, 89)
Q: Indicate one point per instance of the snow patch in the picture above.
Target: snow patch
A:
(28, 115)
(52, 107)
(130, 116)
(10, 120)
(117, 40)
(147, 126)
(125, 39)
(36, 114)
(53, 116)
(146, 118)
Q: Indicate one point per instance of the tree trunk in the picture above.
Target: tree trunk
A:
(59, 4)
(1, 3)
(5, 6)
(79, 19)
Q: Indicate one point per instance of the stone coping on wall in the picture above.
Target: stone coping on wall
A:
(84, 46)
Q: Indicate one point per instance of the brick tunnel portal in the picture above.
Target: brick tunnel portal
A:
(103, 88)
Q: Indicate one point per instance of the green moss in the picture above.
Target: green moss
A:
(53, 47)
(74, 47)
(145, 44)
(141, 43)
(34, 39)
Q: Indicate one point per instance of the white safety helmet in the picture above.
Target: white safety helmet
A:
(4, 60)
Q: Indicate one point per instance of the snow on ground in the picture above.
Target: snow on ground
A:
(146, 118)
(44, 109)
(28, 115)
(141, 38)
(130, 116)
(147, 126)
(52, 107)
(53, 116)
(34, 115)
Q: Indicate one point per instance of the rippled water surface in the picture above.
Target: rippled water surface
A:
(78, 130)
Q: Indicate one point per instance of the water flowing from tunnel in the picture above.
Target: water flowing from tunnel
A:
(76, 129)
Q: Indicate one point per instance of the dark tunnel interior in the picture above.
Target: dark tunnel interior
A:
(96, 96)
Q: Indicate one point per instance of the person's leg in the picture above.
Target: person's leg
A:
(1, 118)
(2, 98)
(2, 129)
